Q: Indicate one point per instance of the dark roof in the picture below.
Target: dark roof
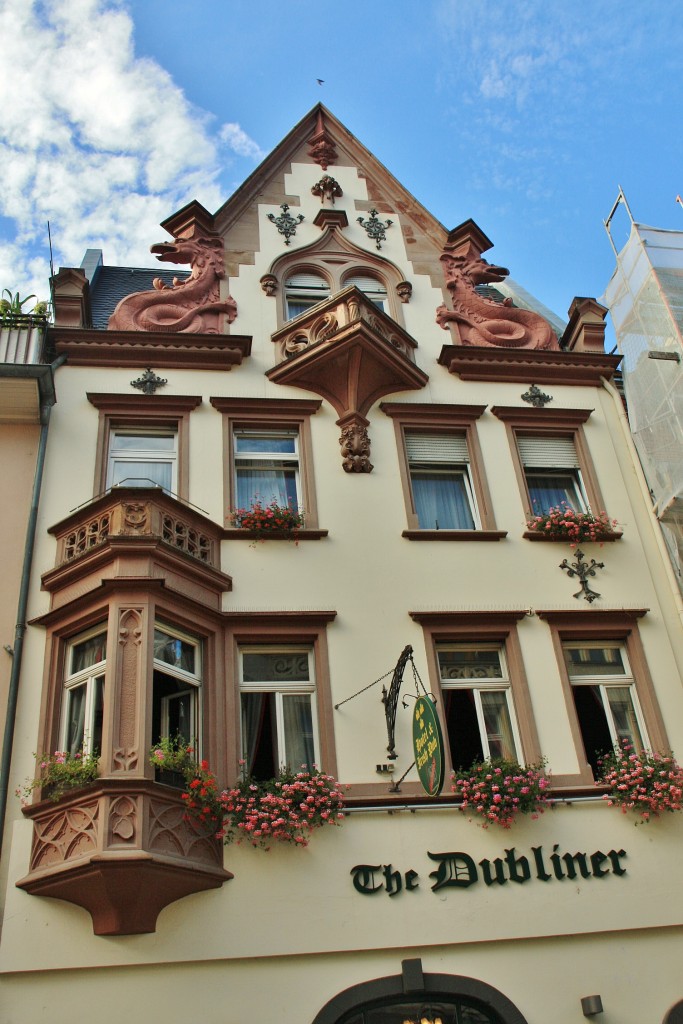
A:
(111, 284)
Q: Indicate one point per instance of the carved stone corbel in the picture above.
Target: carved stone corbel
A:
(355, 444)
(269, 285)
(404, 290)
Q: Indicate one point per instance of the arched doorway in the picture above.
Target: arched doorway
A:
(413, 996)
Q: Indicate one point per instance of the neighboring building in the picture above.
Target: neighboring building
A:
(26, 397)
(301, 360)
(645, 300)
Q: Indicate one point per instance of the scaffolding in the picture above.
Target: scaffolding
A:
(645, 299)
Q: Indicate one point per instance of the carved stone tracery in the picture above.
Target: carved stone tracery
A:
(481, 321)
(191, 306)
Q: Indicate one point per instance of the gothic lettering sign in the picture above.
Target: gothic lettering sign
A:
(428, 746)
(458, 870)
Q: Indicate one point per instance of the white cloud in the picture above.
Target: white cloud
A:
(98, 141)
(238, 140)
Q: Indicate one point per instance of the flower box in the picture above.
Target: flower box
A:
(498, 790)
(268, 522)
(565, 525)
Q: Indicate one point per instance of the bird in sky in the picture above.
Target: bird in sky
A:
(320, 81)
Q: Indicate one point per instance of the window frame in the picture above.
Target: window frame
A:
(307, 293)
(306, 629)
(280, 689)
(262, 457)
(192, 680)
(477, 686)
(270, 415)
(431, 419)
(144, 413)
(604, 627)
(551, 423)
(135, 456)
(74, 680)
(473, 629)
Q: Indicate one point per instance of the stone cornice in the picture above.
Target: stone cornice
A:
(87, 347)
(528, 366)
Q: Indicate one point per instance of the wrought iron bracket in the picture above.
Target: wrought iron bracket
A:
(285, 223)
(390, 699)
(374, 227)
(582, 570)
(148, 382)
(534, 396)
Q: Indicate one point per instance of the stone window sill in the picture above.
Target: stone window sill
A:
(605, 538)
(454, 534)
(252, 535)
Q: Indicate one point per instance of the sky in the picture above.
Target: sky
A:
(525, 115)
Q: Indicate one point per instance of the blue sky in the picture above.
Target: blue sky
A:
(523, 115)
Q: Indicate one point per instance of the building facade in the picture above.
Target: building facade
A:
(333, 349)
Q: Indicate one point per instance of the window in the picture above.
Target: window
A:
(477, 672)
(441, 468)
(143, 442)
(278, 710)
(268, 446)
(266, 467)
(553, 476)
(477, 704)
(142, 458)
(84, 694)
(302, 291)
(176, 686)
(605, 697)
(370, 286)
(609, 693)
(551, 458)
(440, 481)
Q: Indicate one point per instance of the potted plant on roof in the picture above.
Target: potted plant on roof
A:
(263, 522)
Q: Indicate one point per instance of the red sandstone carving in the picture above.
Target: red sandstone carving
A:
(321, 145)
(483, 321)
(355, 447)
(189, 307)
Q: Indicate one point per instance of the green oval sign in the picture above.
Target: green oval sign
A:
(428, 746)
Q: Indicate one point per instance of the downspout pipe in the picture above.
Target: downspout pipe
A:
(47, 402)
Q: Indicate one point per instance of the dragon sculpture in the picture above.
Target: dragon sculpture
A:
(192, 306)
(483, 321)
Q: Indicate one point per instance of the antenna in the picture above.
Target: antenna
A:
(52, 269)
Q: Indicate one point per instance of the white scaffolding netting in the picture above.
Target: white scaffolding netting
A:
(645, 299)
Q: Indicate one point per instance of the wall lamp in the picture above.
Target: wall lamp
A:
(591, 1005)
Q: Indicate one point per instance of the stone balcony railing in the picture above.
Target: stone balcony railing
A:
(123, 850)
(130, 512)
(327, 318)
(138, 530)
